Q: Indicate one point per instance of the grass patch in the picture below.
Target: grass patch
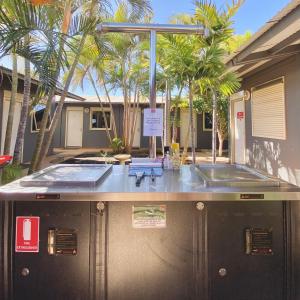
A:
(11, 173)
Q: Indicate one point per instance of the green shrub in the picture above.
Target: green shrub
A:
(117, 145)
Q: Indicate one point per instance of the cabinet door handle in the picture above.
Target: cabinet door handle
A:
(25, 272)
(222, 272)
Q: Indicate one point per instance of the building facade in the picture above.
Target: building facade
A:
(33, 118)
(265, 114)
(82, 125)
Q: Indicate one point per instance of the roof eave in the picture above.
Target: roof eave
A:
(36, 82)
(232, 60)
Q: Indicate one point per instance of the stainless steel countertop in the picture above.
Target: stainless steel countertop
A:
(182, 185)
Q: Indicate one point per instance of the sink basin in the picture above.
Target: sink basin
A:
(68, 175)
(234, 176)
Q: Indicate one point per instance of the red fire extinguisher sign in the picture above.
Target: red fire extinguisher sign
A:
(27, 234)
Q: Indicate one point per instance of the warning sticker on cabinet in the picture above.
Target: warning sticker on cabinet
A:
(149, 216)
(27, 234)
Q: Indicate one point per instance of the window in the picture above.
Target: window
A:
(268, 110)
(207, 121)
(97, 119)
(37, 116)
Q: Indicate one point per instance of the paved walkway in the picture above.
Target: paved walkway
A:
(205, 157)
(61, 155)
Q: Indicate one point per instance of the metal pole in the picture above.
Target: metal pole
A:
(214, 127)
(141, 28)
(152, 86)
(167, 116)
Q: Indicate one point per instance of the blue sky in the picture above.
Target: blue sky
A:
(251, 16)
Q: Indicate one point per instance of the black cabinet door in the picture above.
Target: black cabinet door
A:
(233, 274)
(58, 276)
(154, 263)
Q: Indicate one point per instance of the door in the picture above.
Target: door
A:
(137, 133)
(239, 131)
(64, 275)
(184, 127)
(16, 120)
(234, 274)
(148, 263)
(74, 127)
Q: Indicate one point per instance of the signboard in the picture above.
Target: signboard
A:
(27, 234)
(259, 241)
(240, 115)
(153, 122)
(149, 216)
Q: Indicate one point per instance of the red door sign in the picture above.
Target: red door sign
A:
(27, 234)
(240, 115)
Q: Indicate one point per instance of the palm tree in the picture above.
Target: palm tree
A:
(172, 84)
(225, 84)
(12, 104)
(65, 23)
(187, 63)
(14, 89)
(218, 22)
(121, 65)
(53, 26)
(43, 144)
(18, 20)
(138, 8)
(91, 67)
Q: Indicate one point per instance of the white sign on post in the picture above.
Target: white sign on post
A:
(153, 122)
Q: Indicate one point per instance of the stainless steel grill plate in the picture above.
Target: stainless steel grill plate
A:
(68, 175)
(234, 176)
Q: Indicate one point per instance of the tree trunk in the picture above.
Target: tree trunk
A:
(102, 108)
(174, 127)
(192, 125)
(214, 127)
(134, 117)
(112, 110)
(126, 95)
(125, 119)
(41, 134)
(12, 105)
(59, 107)
(175, 117)
(221, 142)
(43, 126)
(186, 144)
(131, 120)
(24, 112)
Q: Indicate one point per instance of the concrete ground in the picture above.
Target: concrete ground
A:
(205, 157)
(61, 155)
